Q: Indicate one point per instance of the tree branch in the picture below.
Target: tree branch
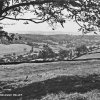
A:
(32, 20)
(28, 3)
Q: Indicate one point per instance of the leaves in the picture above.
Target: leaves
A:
(86, 12)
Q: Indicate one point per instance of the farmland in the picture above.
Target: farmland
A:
(87, 72)
(27, 48)
(13, 48)
(95, 54)
(71, 80)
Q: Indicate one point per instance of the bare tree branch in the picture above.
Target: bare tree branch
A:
(32, 20)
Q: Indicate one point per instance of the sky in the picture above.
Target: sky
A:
(69, 26)
(16, 26)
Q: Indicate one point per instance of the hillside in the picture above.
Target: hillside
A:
(14, 48)
(95, 54)
(52, 39)
(38, 80)
(55, 42)
(62, 39)
(50, 78)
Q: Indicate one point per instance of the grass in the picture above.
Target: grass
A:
(65, 87)
(53, 69)
(92, 95)
(90, 56)
(44, 79)
(95, 54)
(13, 48)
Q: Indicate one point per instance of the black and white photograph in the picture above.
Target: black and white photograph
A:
(49, 49)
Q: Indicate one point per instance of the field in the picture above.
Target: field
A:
(13, 48)
(46, 70)
(95, 54)
(62, 80)
(42, 79)
(90, 56)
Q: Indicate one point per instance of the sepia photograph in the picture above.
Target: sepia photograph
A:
(49, 49)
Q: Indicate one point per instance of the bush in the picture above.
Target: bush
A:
(63, 54)
(47, 52)
(81, 50)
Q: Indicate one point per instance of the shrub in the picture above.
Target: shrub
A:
(47, 52)
(63, 54)
(81, 50)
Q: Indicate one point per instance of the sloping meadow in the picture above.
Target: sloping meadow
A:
(72, 81)
(61, 87)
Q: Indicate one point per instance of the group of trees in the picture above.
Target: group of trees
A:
(63, 54)
(81, 50)
(7, 38)
(47, 52)
(6, 35)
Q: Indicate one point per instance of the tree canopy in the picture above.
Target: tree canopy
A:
(47, 52)
(86, 13)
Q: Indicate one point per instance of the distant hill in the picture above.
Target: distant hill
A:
(42, 38)
(56, 38)
(62, 39)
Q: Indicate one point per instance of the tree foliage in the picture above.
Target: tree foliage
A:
(63, 54)
(81, 50)
(5, 34)
(47, 52)
(86, 13)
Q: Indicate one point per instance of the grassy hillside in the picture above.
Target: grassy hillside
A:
(42, 38)
(90, 56)
(95, 54)
(13, 48)
(62, 38)
(51, 78)
(52, 69)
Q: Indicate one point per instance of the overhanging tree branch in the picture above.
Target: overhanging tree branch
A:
(51, 11)
(32, 20)
(27, 4)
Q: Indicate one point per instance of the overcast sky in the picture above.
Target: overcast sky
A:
(69, 26)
